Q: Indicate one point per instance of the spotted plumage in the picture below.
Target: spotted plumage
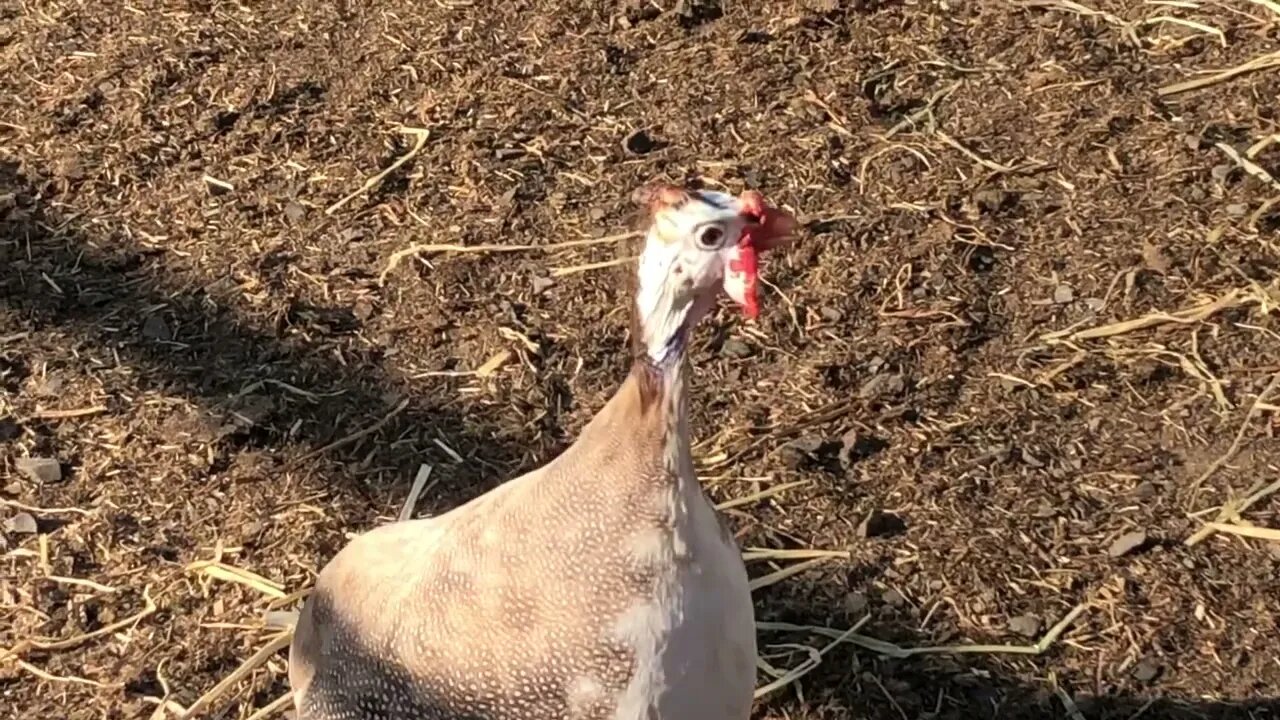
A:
(602, 586)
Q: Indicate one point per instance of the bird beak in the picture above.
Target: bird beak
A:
(771, 227)
(767, 228)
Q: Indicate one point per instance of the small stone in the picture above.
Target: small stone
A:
(1095, 303)
(1221, 172)
(1145, 490)
(21, 524)
(1237, 209)
(1030, 459)
(1191, 141)
(155, 328)
(795, 453)
(507, 153)
(855, 446)
(542, 284)
(893, 598)
(252, 410)
(791, 458)
(39, 469)
(883, 384)
(1045, 510)
(251, 531)
(736, 349)
(830, 314)
(1146, 670)
(48, 387)
(807, 443)
(1155, 258)
(1127, 543)
(1025, 625)
(855, 602)
(881, 524)
(1063, 294)
(294, 211)
(992, 199)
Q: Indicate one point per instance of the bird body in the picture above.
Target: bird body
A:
(601, 586)
(526, 606)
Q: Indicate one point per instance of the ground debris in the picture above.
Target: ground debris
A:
(39, 469)
(881, 524)
(21, 523)
(1127, 543)
(259, 262)
(1025, 625)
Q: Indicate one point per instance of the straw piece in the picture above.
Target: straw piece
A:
(229, 573)
(762, 495)
(1262, 62)
(896, 651)
(1230, 512)
(1249, 531)
(276, 644)
(803, 554)
(419, 482)
(806, 667)
(420, 134)
(46, 644)
(778, 576)
(273, 707)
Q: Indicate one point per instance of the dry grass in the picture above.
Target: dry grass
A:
(278, 273)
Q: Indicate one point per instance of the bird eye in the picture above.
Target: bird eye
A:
(710, 237)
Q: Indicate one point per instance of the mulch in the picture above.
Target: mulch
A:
(263, 261)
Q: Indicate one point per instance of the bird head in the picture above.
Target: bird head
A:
(697, 244)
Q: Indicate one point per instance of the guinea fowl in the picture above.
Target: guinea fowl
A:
(602, 585)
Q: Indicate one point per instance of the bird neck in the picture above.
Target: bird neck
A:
(663, 399)
(662, 320)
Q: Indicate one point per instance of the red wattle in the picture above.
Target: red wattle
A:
(745, 263)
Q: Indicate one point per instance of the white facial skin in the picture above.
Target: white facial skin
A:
(687, 251)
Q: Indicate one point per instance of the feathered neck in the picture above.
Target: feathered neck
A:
(662, 392)
(661, 325)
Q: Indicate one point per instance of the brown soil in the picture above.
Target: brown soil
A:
(972, 175)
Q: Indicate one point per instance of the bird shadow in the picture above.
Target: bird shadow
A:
(854, 681)
(285, 392)
(275, 383)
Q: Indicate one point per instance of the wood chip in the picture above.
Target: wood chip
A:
(1127, 543)
(39, 469)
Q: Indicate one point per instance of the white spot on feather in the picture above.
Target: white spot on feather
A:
(583, 694)
(651, 547)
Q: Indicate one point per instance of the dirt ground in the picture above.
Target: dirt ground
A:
(1025, 349)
